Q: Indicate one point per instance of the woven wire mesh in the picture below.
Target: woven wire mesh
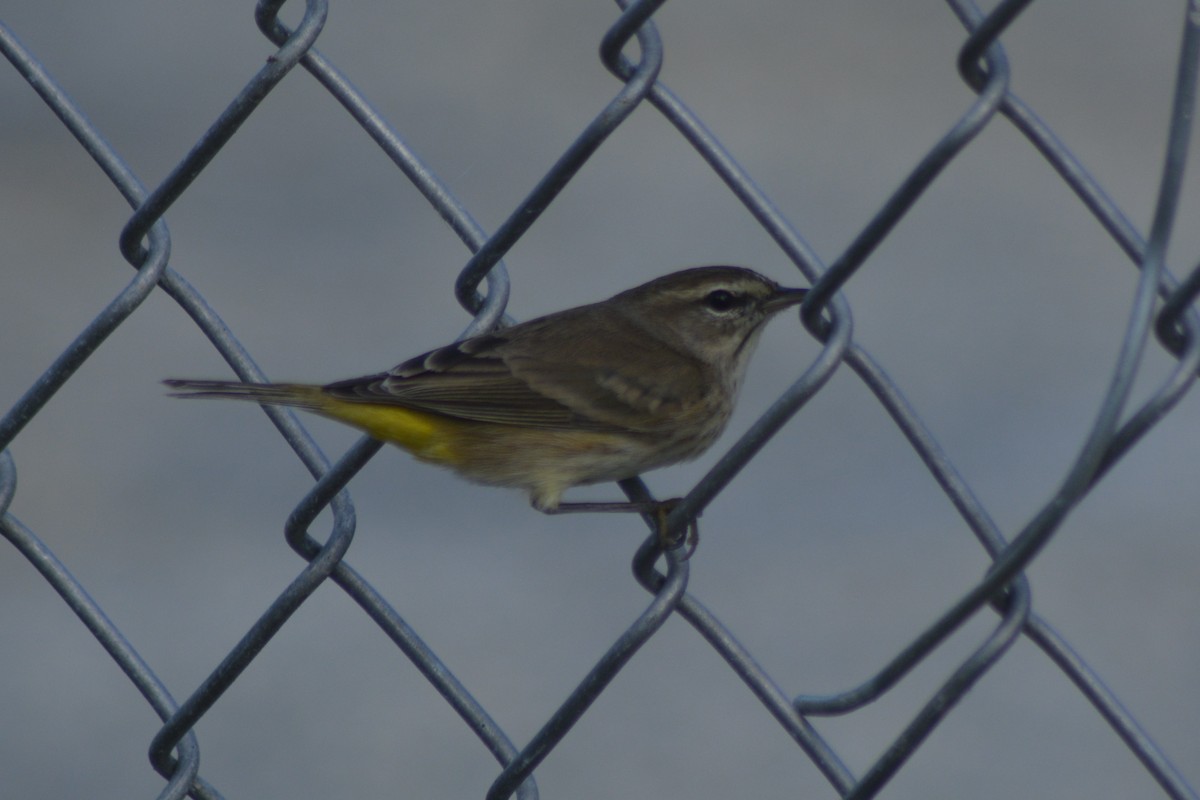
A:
(954, 643)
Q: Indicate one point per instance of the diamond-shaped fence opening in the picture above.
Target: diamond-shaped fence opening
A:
(910, 502)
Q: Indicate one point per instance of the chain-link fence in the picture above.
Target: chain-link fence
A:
(965, 635)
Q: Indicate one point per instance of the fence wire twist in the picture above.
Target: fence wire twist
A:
(1160, 299)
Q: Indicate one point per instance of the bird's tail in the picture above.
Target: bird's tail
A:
(276, 394)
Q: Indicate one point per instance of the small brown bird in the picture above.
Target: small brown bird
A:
(601, 392)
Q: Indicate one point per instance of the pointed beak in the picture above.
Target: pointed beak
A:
(784, 298)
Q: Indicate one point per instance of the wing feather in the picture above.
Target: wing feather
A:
(517, 377)
(468, 380)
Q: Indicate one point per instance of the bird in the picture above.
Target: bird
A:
(602, 392)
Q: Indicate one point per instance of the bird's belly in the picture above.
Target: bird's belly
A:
(544, 462)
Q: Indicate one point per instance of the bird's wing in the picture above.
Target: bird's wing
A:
(547, 373)
(610, 370)
(468, 380)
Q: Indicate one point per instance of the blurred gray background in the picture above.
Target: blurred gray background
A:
(998, 306)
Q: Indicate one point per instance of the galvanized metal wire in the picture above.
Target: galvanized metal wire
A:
(1161, 308)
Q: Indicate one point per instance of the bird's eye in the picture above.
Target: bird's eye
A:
(721, 300)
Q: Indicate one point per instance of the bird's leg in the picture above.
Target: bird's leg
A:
(660, 509)
(689, 539)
